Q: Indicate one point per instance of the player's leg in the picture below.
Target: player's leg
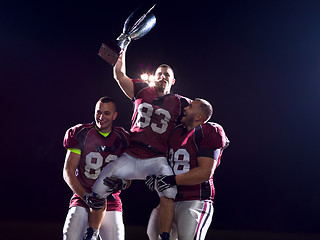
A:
(158, 222)
(159, 166)
(75, 224)
(153, 226)
(193, 219)
(95, 219)
(166, 211)
(122, 167)
(112, 227)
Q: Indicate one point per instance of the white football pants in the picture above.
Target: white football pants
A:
(128, 167)
(76, 224)
(190, 222)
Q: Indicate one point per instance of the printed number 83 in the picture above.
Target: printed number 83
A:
(144, 118)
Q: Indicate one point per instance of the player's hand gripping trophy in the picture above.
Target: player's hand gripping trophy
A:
(135, 27)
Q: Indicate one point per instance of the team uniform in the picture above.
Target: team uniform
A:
(97, 151)
(193, 203)
(153, 120)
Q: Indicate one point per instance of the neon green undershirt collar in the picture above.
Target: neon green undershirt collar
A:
(78, 151)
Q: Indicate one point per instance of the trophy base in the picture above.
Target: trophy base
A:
(110, 52)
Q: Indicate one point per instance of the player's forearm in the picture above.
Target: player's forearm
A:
(202, 173)
(119, 69)
(119, 73)
(73, 183)
(193, 177)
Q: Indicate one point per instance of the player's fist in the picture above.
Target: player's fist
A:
(115, 184)
(93, 201)
(165, 181)
(150, 182)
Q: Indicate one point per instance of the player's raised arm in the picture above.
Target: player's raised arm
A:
(119, 73)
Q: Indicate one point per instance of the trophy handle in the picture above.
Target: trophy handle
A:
(110, 52)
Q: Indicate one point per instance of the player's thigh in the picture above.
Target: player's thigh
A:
(159, 166)
(112, 227)
(193, 219)
(121, 168)
(75, 224)
(125, 167)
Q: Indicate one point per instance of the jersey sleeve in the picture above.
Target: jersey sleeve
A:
(124, 135)
(70, 138)
(213, 142)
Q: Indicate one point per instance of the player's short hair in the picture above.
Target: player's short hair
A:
(165, 66)
(107, 99)
(205, 108)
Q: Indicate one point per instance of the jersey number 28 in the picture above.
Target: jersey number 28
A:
(179, 161)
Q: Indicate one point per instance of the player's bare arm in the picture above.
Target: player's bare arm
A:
(70, 165)
(119, 73)
(200, 174)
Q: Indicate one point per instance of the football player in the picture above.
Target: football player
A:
(156, 113)
(195, 149)
(90, 147)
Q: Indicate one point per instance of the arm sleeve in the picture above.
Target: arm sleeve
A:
(70, 141)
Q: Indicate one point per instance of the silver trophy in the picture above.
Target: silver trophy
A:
(135, 27)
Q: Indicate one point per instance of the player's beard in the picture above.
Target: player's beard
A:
(187, 120)
(161, 86)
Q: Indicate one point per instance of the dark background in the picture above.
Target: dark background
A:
(257, 62)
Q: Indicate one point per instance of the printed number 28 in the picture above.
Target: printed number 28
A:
(179, 161)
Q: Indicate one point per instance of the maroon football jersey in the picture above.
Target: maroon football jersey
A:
(96, 152)
(206, 140)
(153, 120)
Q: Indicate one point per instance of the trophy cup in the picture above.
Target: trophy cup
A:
(135, 27)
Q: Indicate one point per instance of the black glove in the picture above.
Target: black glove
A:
(115, 184)
(150, 182)
(165, 181)
(93, 201)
